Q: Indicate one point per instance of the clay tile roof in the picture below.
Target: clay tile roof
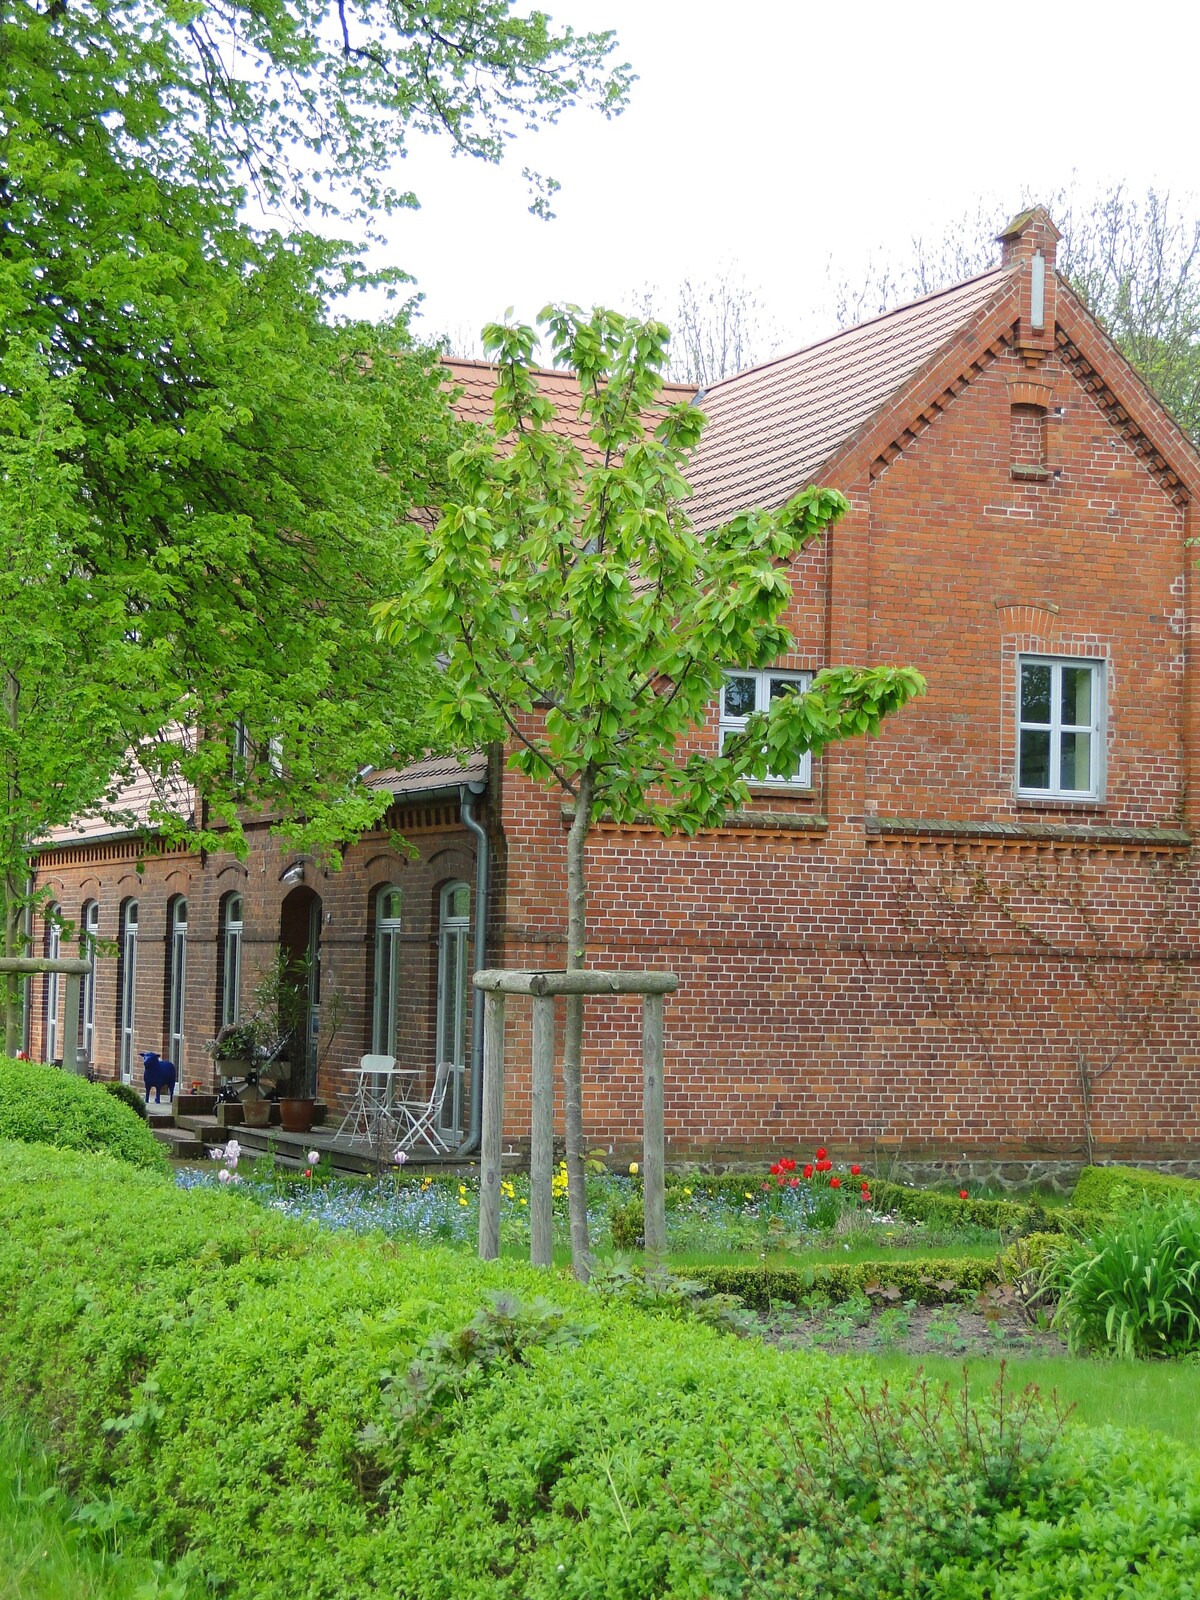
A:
(129, 810)
(771, 428)
(474, 382)
(439, 772)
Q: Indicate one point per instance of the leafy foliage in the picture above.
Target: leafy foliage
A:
(929, 1282)
(1134, 1288)
(126, 1094)
(241, 1353)
(576, 615)
(910, 1486)
(1107, 1189)
(45, 1105)
(186, 565)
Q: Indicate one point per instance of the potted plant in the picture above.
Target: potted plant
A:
(236, 1049)
(281, 1000)
(238, 1052)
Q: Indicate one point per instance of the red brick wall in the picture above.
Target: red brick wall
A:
(108, 872)
(951, 996)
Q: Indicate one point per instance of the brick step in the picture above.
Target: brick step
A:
(182, 1144)
(160, 1116)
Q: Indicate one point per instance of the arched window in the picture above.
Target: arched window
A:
(231, 959)
(176, 978)
(52, 1042)
(454, 996)
(89, 924)
(387, 970)
(127, 986)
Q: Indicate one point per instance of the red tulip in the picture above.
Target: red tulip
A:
(776, 1169)
(821, 1153)
(808, 1169)
(963, 1195)
(854, 1171)
(835, 1183)
(793, 1183)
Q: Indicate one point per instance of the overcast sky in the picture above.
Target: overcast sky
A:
(799, 140)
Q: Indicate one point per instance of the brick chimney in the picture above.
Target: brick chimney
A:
(1028, 245)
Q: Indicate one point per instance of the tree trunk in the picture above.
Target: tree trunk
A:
(13, 899)
(14, 907)
(573, 1037)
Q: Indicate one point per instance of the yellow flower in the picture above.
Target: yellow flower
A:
(633, 1169)
(461, 1201)
(747, 1195)
(687, 1191)
(524, 1202)
(462, 1188)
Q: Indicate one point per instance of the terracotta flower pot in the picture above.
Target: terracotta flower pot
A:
(296, 1116)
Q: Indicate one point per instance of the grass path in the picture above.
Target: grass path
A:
(1160, 1397)
(44, 1552)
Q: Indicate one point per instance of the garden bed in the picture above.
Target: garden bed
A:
(858, 1327)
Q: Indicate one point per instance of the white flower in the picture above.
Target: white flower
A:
(313, 1157)
(400, 1157)
(225, 1175)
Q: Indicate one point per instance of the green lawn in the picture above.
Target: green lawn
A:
(1162, 1397)
(43, 1552)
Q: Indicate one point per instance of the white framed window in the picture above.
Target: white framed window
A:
(388, 927)
(54, 985)
(1060, 728)
(747, 691)
(177, 979)
(455, 997)
(127, 986)
(231, 960)
(90, 933)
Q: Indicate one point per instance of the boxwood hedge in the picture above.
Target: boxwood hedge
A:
(929, 1282)
(218, 1369)
(45, 1105)
(1107, 1189)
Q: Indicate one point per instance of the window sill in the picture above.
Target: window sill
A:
(1059, 802)
(1062, 832)
(794, 791)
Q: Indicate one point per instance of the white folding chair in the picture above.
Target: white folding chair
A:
(420, 1118)
(372, 1098)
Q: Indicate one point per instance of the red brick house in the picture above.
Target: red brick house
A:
(970, 939)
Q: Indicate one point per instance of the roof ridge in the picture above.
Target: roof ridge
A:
(842, 333)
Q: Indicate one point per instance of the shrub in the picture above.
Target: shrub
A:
(230, 1374)
(1030, 1256)
(1134, 1288)
(45, 1105)
(909, 1483)
(628, 1225)
(927, 1282)
(126, 1094)
(1107, 1189)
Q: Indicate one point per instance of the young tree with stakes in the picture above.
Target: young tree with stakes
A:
(576, 615)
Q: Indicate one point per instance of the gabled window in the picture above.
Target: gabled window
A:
(746, 692)
(1060, 728)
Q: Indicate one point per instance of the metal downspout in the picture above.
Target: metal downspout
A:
(482, 853)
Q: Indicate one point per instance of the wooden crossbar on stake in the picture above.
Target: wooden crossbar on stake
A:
(74, 968)
(542, 988)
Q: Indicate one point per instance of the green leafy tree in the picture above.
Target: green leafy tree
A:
(576, 615)
(207, 466)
